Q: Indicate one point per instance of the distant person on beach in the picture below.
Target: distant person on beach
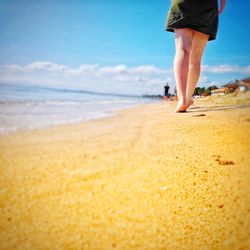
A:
(166, 92)
(194, 22)
(175, 94)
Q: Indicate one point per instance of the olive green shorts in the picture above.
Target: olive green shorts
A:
(199, 15)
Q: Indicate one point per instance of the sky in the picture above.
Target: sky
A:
(117, 46)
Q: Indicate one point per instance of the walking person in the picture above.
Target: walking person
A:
(166, 92)
(175, 94)
(194, 22)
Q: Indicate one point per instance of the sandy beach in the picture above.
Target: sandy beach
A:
(145, 178)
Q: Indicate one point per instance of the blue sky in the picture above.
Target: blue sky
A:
(110, 45)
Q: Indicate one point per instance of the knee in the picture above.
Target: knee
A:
(195, 62)
(185, 50)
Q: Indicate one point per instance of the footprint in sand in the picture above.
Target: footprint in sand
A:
(198, 115)
(225, 162)
(222, 162)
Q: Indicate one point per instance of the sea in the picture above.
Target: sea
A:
(28, 107)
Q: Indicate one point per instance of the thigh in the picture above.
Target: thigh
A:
(183, 38)
(199, 41)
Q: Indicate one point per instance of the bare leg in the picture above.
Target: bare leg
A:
(199, 42)
(183, 44)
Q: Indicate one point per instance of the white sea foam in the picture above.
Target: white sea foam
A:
(28, 109)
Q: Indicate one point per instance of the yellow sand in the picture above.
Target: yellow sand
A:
(146, 178)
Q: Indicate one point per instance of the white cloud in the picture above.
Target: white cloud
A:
(11, 68)
(118, 78)
(82, 69)
(46, 66)
(146, 69)
(118, 69)
(224, 68)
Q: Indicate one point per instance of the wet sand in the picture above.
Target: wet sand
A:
(146, 178)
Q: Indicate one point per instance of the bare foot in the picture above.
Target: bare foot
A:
(191, 102)
(181, 107)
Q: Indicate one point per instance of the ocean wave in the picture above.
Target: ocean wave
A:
(20, 110)
(39, 124)
(64, 102)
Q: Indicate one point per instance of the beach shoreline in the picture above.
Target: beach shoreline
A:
(21, 111)
(144, 178)
(106, 114)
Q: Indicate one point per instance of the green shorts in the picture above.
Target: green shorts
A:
(199, 15)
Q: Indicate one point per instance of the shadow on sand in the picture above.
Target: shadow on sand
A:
(217, 108)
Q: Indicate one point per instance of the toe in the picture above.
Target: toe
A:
(180, 108)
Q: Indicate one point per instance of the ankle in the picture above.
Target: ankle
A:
(189, 99)
(182, 100)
